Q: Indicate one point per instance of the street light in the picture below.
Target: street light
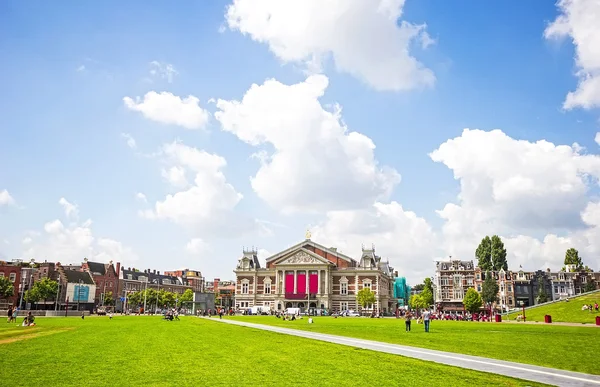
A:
(145, 292)
(57, 295)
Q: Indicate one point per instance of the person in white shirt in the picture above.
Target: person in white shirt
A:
(426, 314)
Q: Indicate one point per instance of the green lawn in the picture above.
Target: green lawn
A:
(565, 347)
(564, 311)
(138, 350)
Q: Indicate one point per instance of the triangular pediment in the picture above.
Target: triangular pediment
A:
(302, 257)
(291, 250)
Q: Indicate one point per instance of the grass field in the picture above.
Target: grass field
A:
(564, 311)
(564, 347)
(138, 350)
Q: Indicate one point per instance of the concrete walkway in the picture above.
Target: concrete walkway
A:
(516, 370)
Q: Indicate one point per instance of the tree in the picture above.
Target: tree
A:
(572, 258)
(542, 296)
(6, 288)
(32, 295)
(589, 286)
(365, 297)
(46, 289)
(489, 289)
(498, 254)
(472, 300)
(186, 297)
(134, 299)
(166, 298)
(416, 302)
(427, 296)
(108, 299)
(484, 254)
(418, 288)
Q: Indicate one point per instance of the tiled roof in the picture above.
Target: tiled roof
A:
(96, 267)
(152, 278)
(74, 276)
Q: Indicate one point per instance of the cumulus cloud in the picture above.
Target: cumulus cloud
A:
(6, 199)
(534, 194)
(71, 243)
(130, 140)
(578, 19)
(71, 210)
(141, 197)
(317, 164)
(207, 203)
(363, 37)
(170, 109)
(163, 70)
(196, 246)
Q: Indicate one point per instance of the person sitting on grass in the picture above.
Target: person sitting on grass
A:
(29, 320)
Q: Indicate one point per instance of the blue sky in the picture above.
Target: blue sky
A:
(67, 68)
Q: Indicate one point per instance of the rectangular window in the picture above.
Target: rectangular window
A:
(12, 277)
(510, 288)
(245, 288)
(478, 287)
(344, 306)
(344, 289)
(562, 289)
(268, 288)
(556, 289)
(1, 274)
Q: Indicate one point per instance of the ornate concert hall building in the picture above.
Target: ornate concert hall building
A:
(309, 275)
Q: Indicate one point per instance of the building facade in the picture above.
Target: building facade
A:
(311, 276)
(106, 278)
(192, 278)
(13, 273)
(452, 279)
(224, 292)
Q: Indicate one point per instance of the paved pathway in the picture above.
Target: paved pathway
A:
(516, 370)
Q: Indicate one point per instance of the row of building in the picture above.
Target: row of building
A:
(88, 285)
(308, 276)
(516, 288)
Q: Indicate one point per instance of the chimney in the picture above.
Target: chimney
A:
(216, 284)
(128, 269)
(158, 272)
(118, 268)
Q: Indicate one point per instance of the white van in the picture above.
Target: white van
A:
(257, 309)
(292, 311)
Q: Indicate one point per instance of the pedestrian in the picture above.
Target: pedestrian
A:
(82, 315)
(426, 316)
(407, 319)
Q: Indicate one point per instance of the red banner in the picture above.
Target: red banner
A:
(289, 282)
(301, 289)
(313, 283)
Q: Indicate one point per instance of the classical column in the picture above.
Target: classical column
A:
(319, 281)
(295, 281)
(327, 277)
(276, 283)
(307, 288)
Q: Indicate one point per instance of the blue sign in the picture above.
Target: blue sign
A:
(81, 293)
(122, 299)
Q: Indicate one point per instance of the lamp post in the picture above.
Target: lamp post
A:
(145, 292)
(79, 293)
(57, 295)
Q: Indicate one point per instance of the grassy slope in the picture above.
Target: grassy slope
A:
(147, 351)
(564, 311)
(524, 343)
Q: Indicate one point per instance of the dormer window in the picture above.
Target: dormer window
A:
(367, 284)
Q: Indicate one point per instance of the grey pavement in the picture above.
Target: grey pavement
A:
(500, 367)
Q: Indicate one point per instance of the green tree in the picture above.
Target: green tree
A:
(427, 296)
(572, 258)
(489, 289)
(418, 287)
(589, 286)
(186, 297)
(6, 288)
(32, 295)
(416, 302)
(498, 254)
(542, 296)
(472, 300)
(484, 254)
(46, 289)
(166, 298)
(134, 299)
(108, 299)
(365, 297)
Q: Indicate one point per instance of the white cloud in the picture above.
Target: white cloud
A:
(196, 246)
(597, 138)
(579, 20)
(363, 37)
(130, 140)
(80, 68)
(170, 109)
(175, 176)
(516, 189)
(163, 70)
(206, 205)
(6, 199)
(71, 210)
(316, 163)
(401, 236)
(141, 197)
(73, 243)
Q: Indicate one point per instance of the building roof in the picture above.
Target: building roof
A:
(152, 277)
(97, 268)
(74, 276)
(313, 244)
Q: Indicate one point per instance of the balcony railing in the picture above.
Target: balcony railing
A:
(299, 296)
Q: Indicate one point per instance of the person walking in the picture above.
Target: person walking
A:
(407, 319)
(10, 312)
(426, 314)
